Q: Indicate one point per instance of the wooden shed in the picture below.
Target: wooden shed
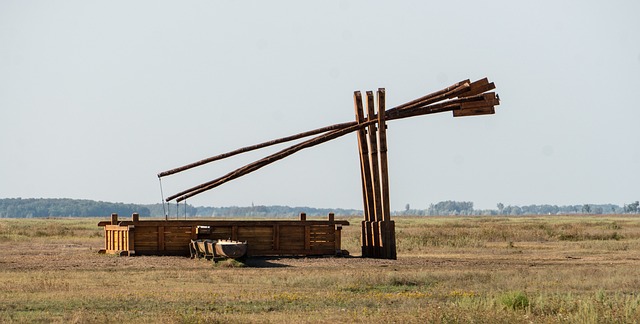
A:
(264, 237)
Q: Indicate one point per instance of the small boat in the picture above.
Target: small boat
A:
(231, 249)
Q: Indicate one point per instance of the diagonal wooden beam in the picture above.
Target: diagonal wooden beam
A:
(416, 108)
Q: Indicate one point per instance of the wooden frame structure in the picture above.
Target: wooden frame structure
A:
(378, 230)
(464, 98)
(264, 237)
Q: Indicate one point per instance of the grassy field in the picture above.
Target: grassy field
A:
(450, 269)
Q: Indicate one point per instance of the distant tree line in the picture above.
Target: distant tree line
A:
(64, 207)
(177, 211)
(449, 208)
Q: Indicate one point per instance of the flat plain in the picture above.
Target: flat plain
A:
(542, 269)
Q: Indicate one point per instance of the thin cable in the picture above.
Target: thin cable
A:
(162, 196)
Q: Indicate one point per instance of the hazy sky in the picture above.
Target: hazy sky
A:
(97, 97)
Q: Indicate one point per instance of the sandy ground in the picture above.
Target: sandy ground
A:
(84, 256)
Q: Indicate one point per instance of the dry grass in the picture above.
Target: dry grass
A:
(472, 269)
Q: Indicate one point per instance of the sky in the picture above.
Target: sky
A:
(98, 97)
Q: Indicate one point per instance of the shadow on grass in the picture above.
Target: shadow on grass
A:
(264, 262)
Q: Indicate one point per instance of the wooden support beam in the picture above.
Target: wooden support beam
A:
(436, 102)
(387, 233)
(432, 97)
(478, 87)
(338, 239)
(131, 240)
(447, 93)
(365, 175)
(375, 248)
(486, 110)
(382, 150)
(254, 147)
(373, 157)
(251, 167)
(365, 167)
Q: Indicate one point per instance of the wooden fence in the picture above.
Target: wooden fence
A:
(264, 237)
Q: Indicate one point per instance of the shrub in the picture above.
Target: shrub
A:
(514, 300)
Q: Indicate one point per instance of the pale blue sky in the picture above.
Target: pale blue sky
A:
(97, 97)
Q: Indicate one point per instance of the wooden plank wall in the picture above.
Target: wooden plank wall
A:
(118, 240)
(264, 238)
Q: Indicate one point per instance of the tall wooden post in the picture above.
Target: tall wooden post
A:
(378, 230)
(387, 227)
(365, 171)
(374, 174)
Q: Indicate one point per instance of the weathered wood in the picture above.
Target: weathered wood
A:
(449, 92)
(365, 174)
(365, 168)
(131, 240)
(489, 110)
(254, 147)
(307, 237)
(478, 87)
(478, 107)
(433, 97)
(119, 240)
(338, 239)
(161, 246)
(373, 156)
(275, 237)
(387, 237)
(391, 230)
(264, 237)
(251, 167)
(375, 230)
(421, 106)
(384, 167)
(216, 224)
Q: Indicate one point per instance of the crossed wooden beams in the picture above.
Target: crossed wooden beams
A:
(378, 230)
(464, 98)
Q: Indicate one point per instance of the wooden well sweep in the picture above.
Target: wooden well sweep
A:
(464, 98)
(264, 237)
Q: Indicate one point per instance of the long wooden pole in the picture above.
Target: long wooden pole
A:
(264, 162)
(407, 111)
(255, 147)
(374, 174)
(365, 167)
(386, 225)
(457, 89)
(382, 151)
(366, 237)
(309, 143)
(373, 155)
